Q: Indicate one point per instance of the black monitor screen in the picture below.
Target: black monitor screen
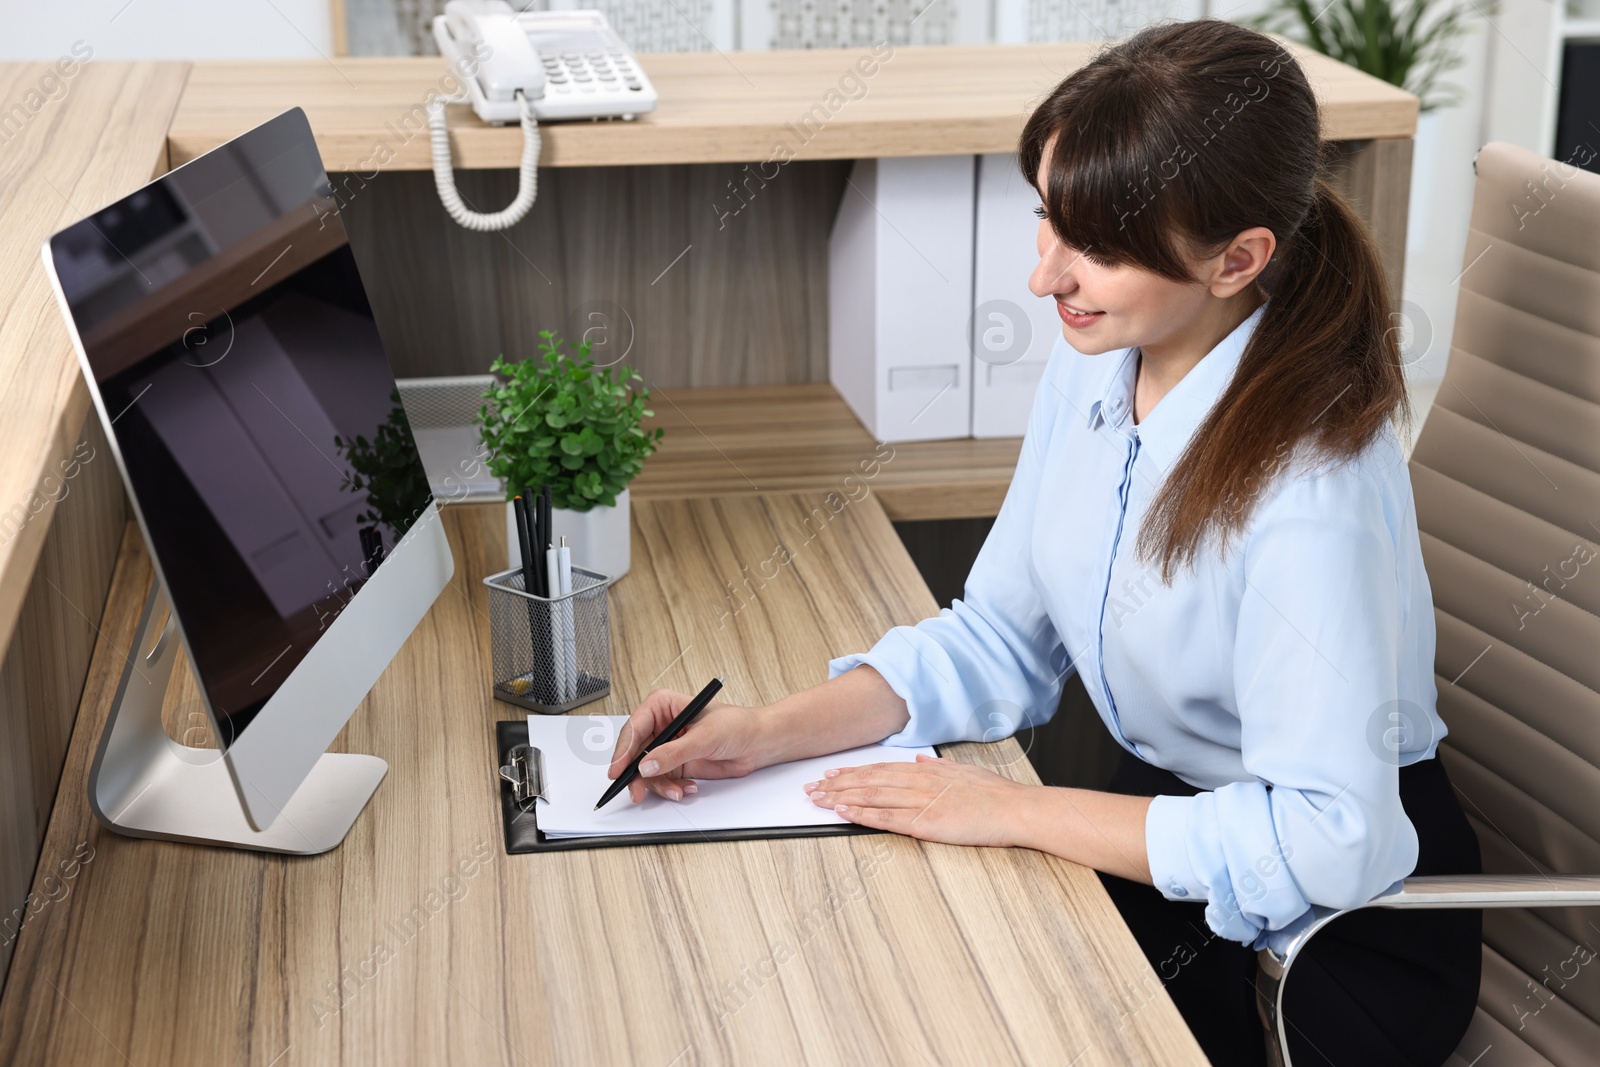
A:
(230, 338)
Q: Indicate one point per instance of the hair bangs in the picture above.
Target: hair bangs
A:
(1107, 177)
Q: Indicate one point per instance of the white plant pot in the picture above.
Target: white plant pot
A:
(600, 538)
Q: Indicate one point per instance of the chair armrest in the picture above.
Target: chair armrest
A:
(1493, 891)
(1427, 891)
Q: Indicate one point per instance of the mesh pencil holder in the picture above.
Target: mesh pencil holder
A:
(551, 654)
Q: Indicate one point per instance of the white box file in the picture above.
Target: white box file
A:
(1013, 331)
(900, 296)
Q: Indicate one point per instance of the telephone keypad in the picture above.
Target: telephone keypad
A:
(603, 68)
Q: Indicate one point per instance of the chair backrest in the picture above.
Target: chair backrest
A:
(1507, 480)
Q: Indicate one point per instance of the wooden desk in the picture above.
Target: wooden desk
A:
(875, 949)
(715, 107)
(454, 300)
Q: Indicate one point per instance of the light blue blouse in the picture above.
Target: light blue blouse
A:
(1289, 678)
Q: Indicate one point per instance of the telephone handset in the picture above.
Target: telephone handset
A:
(552, 65)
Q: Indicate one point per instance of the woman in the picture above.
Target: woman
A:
(1211, 522)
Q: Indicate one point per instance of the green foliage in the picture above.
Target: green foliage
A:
(1408, 43)
(388, 469)
(561, 421)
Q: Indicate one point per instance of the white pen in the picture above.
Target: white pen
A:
(552, 570)
(569, 636)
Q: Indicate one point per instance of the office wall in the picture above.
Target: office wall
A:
(400, 27)
(169, 29)
(397, 27)
(1442, 190)
(43, 670)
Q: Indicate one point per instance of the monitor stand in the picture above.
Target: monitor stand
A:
(145, 784)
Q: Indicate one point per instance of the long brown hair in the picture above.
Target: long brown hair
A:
(1175, 141)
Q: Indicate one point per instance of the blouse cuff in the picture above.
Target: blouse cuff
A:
(1166, 842)
(1242, 874)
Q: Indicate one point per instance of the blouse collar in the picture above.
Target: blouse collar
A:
(1165, 432)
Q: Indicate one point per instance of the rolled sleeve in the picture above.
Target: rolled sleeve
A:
(1167, 838)
(1316, 661)
(991, 663)
(1242, 876)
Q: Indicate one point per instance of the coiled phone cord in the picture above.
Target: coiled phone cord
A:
(445, 181)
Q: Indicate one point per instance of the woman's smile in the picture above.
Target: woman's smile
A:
(1077, 318)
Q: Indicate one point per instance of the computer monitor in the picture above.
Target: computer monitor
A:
(233, 359)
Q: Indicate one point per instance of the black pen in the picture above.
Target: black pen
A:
(530, 504)
(524, 546)
(693, 708)
(546, 534)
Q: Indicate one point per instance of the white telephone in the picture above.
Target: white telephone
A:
(525, 67)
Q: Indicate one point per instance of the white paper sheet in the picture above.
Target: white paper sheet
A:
(577, 750)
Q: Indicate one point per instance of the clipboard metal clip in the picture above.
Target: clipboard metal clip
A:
(525, 771)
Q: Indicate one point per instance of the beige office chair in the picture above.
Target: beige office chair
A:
(1507, 481)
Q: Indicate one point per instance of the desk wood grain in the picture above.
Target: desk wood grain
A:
(419, 941)
(368, 115)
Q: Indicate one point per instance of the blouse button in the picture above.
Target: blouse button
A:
(1179, 891)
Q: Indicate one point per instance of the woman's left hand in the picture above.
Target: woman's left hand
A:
(931, 799)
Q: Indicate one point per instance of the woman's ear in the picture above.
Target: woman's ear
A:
(1238, 265)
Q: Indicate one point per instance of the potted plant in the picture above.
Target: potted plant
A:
(558, 420)
(1408, 43)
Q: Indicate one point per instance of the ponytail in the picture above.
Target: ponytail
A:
(1321, 374)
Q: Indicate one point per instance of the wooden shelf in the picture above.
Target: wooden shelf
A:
(744, 440)
(715, 107)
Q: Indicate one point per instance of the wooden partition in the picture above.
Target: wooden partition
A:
(705, 223)
(693, 274)
(42, 671)
(1375, 176)
(682, 278)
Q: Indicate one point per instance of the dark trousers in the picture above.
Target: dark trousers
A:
(1375, 987)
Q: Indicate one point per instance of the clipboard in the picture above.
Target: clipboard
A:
(522, 784)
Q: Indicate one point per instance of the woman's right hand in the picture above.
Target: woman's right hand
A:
(723, 741)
